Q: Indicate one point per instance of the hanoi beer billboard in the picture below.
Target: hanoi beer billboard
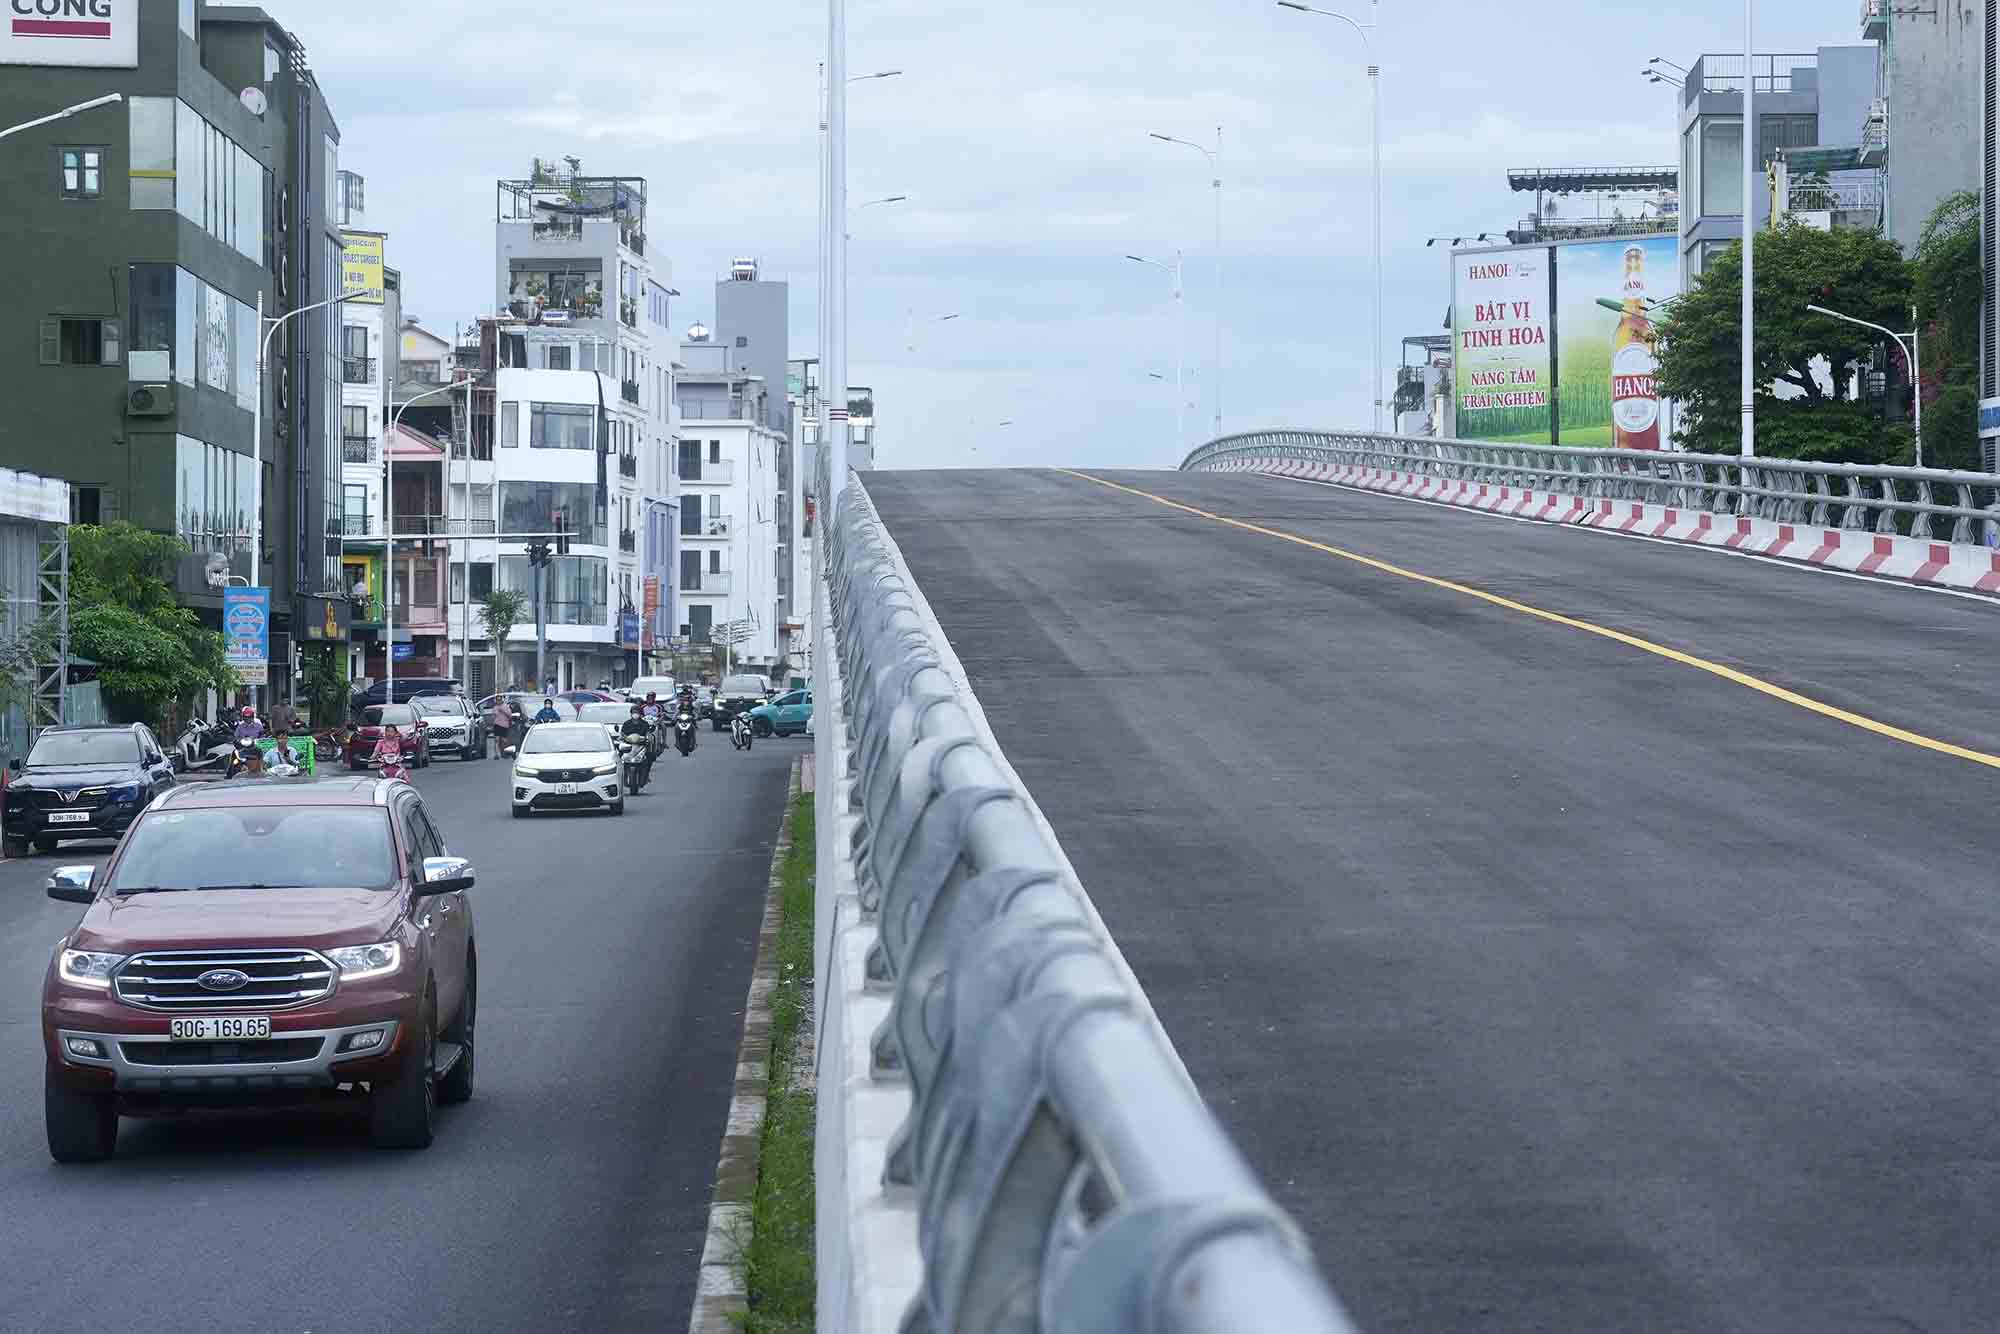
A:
(1500, 337)
(1606, 296)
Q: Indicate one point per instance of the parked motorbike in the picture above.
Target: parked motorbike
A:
(204, 748)
(739, 732)
(684, 731)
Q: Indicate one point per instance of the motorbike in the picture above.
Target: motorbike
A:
(684, 731)
(633, 763)
(239, 756)
(739, 732)
(204, 748)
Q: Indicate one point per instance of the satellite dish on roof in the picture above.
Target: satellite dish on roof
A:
(255, 102)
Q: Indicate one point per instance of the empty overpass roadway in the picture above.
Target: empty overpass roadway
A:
(1576, 932)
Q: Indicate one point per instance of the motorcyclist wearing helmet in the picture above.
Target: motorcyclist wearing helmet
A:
(248, 728)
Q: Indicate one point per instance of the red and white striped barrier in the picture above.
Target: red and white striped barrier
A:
(1918, 560)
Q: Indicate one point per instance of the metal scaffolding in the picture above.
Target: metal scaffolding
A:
(51, 707)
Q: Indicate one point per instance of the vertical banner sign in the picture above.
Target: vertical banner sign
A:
(1500, 336)
(652, 605)
(1608, 294)
(246, 630)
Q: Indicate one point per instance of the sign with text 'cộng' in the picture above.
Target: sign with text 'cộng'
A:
(97, 34)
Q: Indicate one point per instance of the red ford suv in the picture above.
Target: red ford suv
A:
(264, 941)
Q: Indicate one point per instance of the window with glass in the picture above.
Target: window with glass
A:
(1722, 168)
(510, 425)
(214, 490)
(82, 172)
(69, 341)
(575, 589)
(1787, 131)
(556, 356)
(560, 426)
(532, 507)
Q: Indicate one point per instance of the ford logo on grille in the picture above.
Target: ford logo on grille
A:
(223, 979)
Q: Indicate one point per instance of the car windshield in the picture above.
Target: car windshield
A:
(434, 705)
(558, 737)
(60, 748)
(743, 685)
(609, 714)
(395, 715)
(259, 847)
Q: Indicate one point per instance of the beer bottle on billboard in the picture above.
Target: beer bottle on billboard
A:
(1635, 393)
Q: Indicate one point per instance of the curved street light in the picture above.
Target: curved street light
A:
(1180, 356)
(1214, 157)
(64, 114)
(1375, 99)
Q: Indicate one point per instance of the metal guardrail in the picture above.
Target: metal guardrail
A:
(1068, 1179)
(1912, 502)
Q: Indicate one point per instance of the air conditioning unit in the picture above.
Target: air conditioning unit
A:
(150, 400)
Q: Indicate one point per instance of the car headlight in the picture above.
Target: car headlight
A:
(521, 772)
(603, 769)
(86, 969)
(128, 793)
(356, 962)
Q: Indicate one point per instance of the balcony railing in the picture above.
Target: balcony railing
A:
(708, 473)
(1723, 73)
(710, 525)
(357, 449)
(629, 390)
(357, 525)
(628, 465)
(711, 583)
(696, 407)
(628, 540)
(1841, 196)
(367, 611)
(357, 370)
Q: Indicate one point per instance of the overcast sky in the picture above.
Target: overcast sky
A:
(1020, 134)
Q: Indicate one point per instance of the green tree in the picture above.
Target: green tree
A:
(151, 652)
(324, 685)
(502, 610)
(1949, 280)
(1855, 272)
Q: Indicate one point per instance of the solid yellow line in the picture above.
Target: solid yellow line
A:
(1744, 679)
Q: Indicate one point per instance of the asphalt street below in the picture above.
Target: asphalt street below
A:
(1550, 983)
(571, 1193)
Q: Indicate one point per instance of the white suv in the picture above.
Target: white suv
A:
(567, 767)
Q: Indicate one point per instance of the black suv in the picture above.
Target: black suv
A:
(82, 782)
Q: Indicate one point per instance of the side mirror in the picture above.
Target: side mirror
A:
(73, 884)
(15, 764)
(445, 875)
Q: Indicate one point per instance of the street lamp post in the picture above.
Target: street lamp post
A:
(1747, 374)
(394, 424)
(1180, 356)
(257, 436)
(1215, 166)
(64, 114)
(1909, 351)
(1375, 102)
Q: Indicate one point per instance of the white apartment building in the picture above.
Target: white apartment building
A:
(582, 424)
(727, 465)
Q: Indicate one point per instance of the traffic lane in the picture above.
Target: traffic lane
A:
(571, 1192)
(1914, 658)
(1549, 984)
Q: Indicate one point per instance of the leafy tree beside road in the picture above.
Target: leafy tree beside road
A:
(1856, 272)
(151, 652)
(1949, 282)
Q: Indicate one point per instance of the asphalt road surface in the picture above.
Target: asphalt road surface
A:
(571, 1192)
(1552, 984)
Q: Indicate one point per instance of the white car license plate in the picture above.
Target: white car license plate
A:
(220, 1028)
(70, 817)
(565, 789)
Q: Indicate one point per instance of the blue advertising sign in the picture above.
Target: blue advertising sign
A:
(246, 630)
(403, 651)
(628, 629)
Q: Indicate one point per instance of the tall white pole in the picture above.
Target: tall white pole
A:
(820, 428)
(1216, 368)
(465, 564)
(257, 482)
(1375, 97)
(834, 371)
(1180, 360)
(1749, 234)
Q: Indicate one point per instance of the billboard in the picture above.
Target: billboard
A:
(246, 630)
(96, 34)
(1500, 342)
(361, 266)
(1553, 343)
(1605, 294)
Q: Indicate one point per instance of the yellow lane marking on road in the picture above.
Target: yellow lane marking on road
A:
(1744, 679)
